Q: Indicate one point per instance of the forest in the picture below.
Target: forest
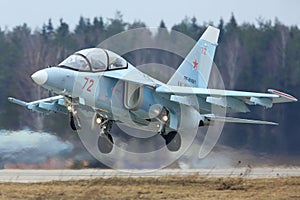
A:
(249, 57)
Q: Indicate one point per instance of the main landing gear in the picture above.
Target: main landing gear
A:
(99, 124)
(172, 139)
(105, 140)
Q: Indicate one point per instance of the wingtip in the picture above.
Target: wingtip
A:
(17, 101)
(283, 95)
(274, 123)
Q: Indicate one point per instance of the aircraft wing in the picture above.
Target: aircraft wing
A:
(131, 75)
(45, 106)
(235, 100)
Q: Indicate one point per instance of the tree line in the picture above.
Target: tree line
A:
(250, 57)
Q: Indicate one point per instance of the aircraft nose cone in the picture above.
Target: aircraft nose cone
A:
(40, 77)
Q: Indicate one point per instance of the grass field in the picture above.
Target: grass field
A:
(188, 187)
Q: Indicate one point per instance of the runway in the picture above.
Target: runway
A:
(30, 176)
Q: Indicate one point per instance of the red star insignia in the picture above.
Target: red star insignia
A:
(195, 63)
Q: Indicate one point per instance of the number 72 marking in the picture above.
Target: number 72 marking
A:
(88, 84)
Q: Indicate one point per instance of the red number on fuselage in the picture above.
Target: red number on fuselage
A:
(86, 81)
(90, 85)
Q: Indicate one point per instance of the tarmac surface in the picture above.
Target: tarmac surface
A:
(31, 176)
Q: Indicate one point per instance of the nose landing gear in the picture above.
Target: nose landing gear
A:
(74, 119)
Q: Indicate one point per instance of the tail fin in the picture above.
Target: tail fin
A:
(195, 70)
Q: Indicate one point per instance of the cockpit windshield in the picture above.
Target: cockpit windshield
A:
(76, 62)
(94, 59)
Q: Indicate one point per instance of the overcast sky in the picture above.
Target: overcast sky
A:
(37, 12)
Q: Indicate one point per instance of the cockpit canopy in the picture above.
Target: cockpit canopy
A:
(95, 60)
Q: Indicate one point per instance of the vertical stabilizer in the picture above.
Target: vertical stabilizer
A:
(195, 70)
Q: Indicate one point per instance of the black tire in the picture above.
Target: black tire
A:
(105, 143)
(173, 141)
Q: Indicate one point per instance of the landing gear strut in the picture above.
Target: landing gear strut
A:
(74, 120)
(105, 140)
(72, 105)
(172, 139)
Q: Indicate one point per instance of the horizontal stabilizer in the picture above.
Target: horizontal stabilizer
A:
(237, 120)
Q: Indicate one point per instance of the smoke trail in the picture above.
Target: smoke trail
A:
(30, 147)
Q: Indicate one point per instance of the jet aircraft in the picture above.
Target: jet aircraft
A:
(111, 87)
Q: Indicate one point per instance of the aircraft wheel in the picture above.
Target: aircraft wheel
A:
(105, 143)
(173, 141)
